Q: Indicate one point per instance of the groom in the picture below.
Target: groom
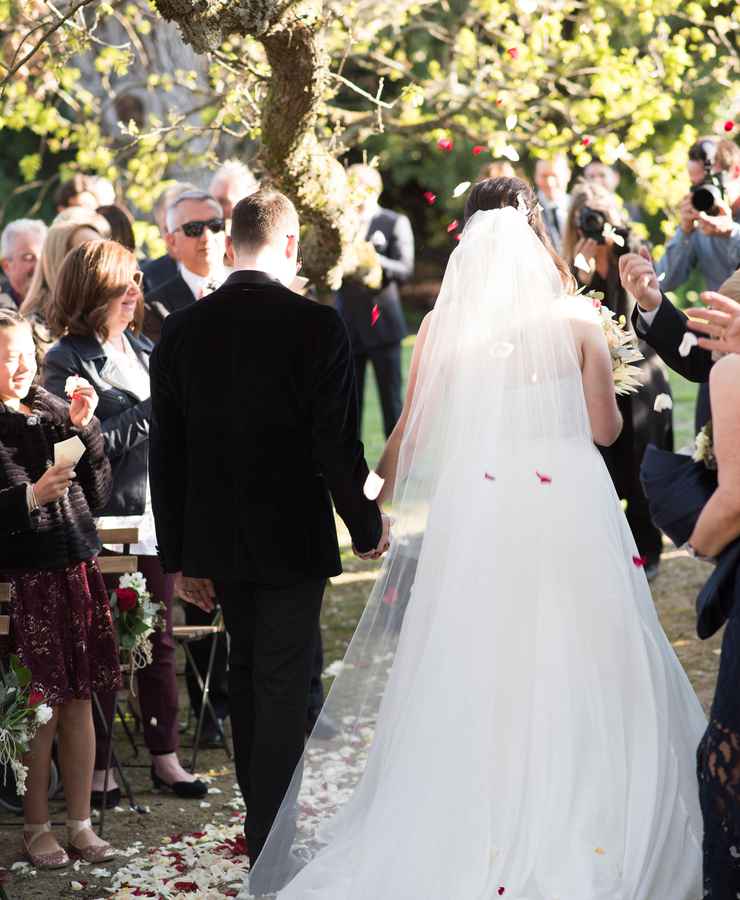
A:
(254, 426)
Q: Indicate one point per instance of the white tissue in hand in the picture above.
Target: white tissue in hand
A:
(373, 485)
(689, 341)
(662, 403)
(73, 383)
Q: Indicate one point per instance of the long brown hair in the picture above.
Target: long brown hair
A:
(92, 275)
(496, 193)
(595, 196)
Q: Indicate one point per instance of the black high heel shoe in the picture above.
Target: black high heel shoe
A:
(188, 790)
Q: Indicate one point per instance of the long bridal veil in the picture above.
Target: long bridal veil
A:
(495, 467)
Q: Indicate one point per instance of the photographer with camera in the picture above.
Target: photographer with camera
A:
(708, 237)
(597, 234)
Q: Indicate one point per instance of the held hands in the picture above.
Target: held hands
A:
(198, 591)
(53, 484)
(383, 544)
(83, 403)
(720, 321)
(638, 277)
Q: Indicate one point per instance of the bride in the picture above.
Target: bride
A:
(515, 722)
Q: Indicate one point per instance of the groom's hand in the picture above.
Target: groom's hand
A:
(383, 544)
(637, 275)
(198, 591)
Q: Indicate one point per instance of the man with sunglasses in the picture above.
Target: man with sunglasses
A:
(196, 238)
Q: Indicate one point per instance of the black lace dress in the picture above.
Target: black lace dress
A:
(719, 770)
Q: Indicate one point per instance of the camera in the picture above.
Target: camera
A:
(706, 196)
(591, 223)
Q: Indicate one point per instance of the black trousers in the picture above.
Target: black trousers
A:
(272, 631)
(219, 690)
(386, 363)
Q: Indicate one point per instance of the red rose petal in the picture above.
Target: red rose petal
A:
(639, 561)
(729, 125)
(513, 52)
(390, 598)
(586, 141)
(489, 477)
(452, 226)
(501, 891)
(544, 479)
(457, 237)
(430, 197)
(478, 149)
(445, 144)
(374, 316)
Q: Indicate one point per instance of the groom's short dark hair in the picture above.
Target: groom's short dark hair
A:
(258, 217)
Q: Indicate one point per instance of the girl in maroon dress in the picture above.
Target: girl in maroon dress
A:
(61, 626)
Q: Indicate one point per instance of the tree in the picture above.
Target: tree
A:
(631, 82)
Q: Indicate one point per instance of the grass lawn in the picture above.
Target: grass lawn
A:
(684, 395)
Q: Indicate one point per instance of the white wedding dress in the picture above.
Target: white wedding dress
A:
(533, 734)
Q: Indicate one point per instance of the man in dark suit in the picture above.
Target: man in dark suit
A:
(374, 317)
(254, 426)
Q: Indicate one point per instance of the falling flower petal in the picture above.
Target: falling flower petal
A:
(489, 477)
(390, 598)
(639, 561)
(544, 479)
(430, 198)
(153, 721)
(374, 316)
(586, 141)
(511, 121)
(501, 349)
(609, 232)
(478, 149)
(510, 153)
(513, 52)
(580, 262)
(445, 144)
(662, 403)
(373, 485)
(452, 226)
(624, 504)
(729, 125)
(501, 891)
(661, 277)
(689, 341)
(461, 188)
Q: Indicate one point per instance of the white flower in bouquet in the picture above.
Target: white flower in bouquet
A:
(622, 346)
(133, 580)
(43, 713)
(20, 772)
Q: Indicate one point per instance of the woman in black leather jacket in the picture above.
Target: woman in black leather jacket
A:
(97, 309)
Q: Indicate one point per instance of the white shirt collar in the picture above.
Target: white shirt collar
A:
(200, 284)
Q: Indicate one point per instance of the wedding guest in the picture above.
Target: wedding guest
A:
(230, 183)
(20, 250)
(79, 190)
(374, 315)
(500, 168)
(551, 177)
(61, 625)
(160, 270)
(60, 239)
(121, 224)
(719, 321)
(195, 238)
(591, 207)
(97, 313)
(719, 752)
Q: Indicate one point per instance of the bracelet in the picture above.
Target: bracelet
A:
(31, 499)
(695, 555)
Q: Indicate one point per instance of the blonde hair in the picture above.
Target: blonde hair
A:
(58, 242)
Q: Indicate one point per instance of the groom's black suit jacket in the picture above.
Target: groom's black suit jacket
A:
(664, 336)
(254, 424)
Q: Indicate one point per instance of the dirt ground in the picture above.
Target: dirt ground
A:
(674, 591)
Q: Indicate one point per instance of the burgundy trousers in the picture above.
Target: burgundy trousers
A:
(156, 685)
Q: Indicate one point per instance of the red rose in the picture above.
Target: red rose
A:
(127, 599)
(35, 697)
(729, 125)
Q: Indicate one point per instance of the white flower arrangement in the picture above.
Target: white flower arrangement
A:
(22, 713)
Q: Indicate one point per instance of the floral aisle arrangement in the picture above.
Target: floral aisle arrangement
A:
(622, 347)
(136, 616)
(22, 712)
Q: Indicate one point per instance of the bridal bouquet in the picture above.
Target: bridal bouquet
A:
(22, 712)
(136, 616)
(622, 347)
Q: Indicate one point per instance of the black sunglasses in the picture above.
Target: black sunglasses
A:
(196, 228)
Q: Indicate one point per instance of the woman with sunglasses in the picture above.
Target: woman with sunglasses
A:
(96, 313)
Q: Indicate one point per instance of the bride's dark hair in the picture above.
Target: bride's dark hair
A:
(495, 193)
